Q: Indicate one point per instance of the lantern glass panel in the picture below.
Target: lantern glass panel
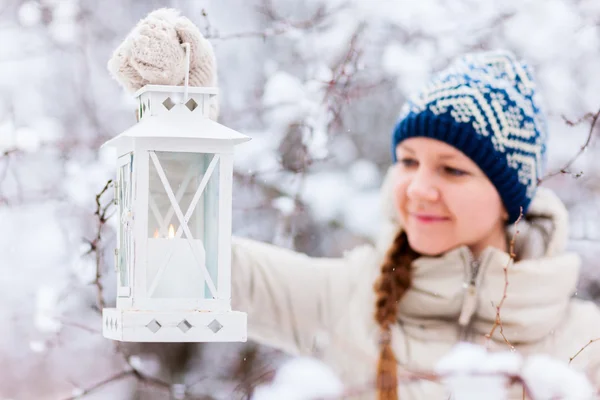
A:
(125, 199)
(183, 225)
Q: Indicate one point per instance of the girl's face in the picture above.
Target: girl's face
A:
(444, 200)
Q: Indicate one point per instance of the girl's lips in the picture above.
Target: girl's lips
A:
(424, 218)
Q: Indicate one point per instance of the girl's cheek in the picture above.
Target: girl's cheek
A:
(399, 194)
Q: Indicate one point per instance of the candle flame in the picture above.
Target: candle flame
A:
(171, 231)
(156, 234)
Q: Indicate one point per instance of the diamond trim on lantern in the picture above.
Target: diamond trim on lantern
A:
(215, 326)
(191, 104)
(154, 326)
(168, 103)
(184, 326)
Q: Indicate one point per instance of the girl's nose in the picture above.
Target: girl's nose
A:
(422, 187)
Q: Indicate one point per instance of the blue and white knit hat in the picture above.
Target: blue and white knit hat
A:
(485, 105)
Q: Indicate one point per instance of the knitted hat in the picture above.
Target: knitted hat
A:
(485, 105)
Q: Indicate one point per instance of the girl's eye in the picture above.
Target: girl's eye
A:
(408, 162)
(454, 171)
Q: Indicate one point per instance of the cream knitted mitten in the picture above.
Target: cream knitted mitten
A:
(152, 54)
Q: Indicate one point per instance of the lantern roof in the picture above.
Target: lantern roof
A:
(179, 123)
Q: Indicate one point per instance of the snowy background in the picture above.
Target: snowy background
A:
(317, 84)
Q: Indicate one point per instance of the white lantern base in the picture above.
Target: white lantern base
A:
(174, 326)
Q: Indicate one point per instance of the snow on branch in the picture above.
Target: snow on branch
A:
(468, 372)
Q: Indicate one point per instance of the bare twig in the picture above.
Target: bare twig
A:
(114, 378)
(130, 372)
(74, 324)
(6, 156)
(282, 25)
(321, 15)
(8, 152)
(498, 321)
(267, 33)
(245, 371)
(101, 214)
(339, 87)
(566, 168)
(582, 349)
(585, 117)
(208, 27)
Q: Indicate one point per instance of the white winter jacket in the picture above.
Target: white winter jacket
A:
(325, 306)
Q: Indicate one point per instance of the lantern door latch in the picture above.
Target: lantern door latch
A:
(116, 195)
(116, 260)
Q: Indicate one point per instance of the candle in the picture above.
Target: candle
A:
(182, 275)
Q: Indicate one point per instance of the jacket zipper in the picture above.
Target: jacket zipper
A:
(469, 305)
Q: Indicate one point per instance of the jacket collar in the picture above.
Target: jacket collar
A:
(540, 284)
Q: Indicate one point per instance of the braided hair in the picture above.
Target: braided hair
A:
(393, 282)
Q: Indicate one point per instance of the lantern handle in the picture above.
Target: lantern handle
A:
(186, 46)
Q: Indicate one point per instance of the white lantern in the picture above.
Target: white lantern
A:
(173, 193)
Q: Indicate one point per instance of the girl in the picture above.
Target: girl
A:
(468, 151)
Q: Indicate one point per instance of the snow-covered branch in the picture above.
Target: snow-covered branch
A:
(468, 372)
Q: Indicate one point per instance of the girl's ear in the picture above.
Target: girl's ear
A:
(504, 214)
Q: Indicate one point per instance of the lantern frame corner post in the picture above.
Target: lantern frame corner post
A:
(141, 190)
(123, 291)
(225, 225)
(112, 318)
